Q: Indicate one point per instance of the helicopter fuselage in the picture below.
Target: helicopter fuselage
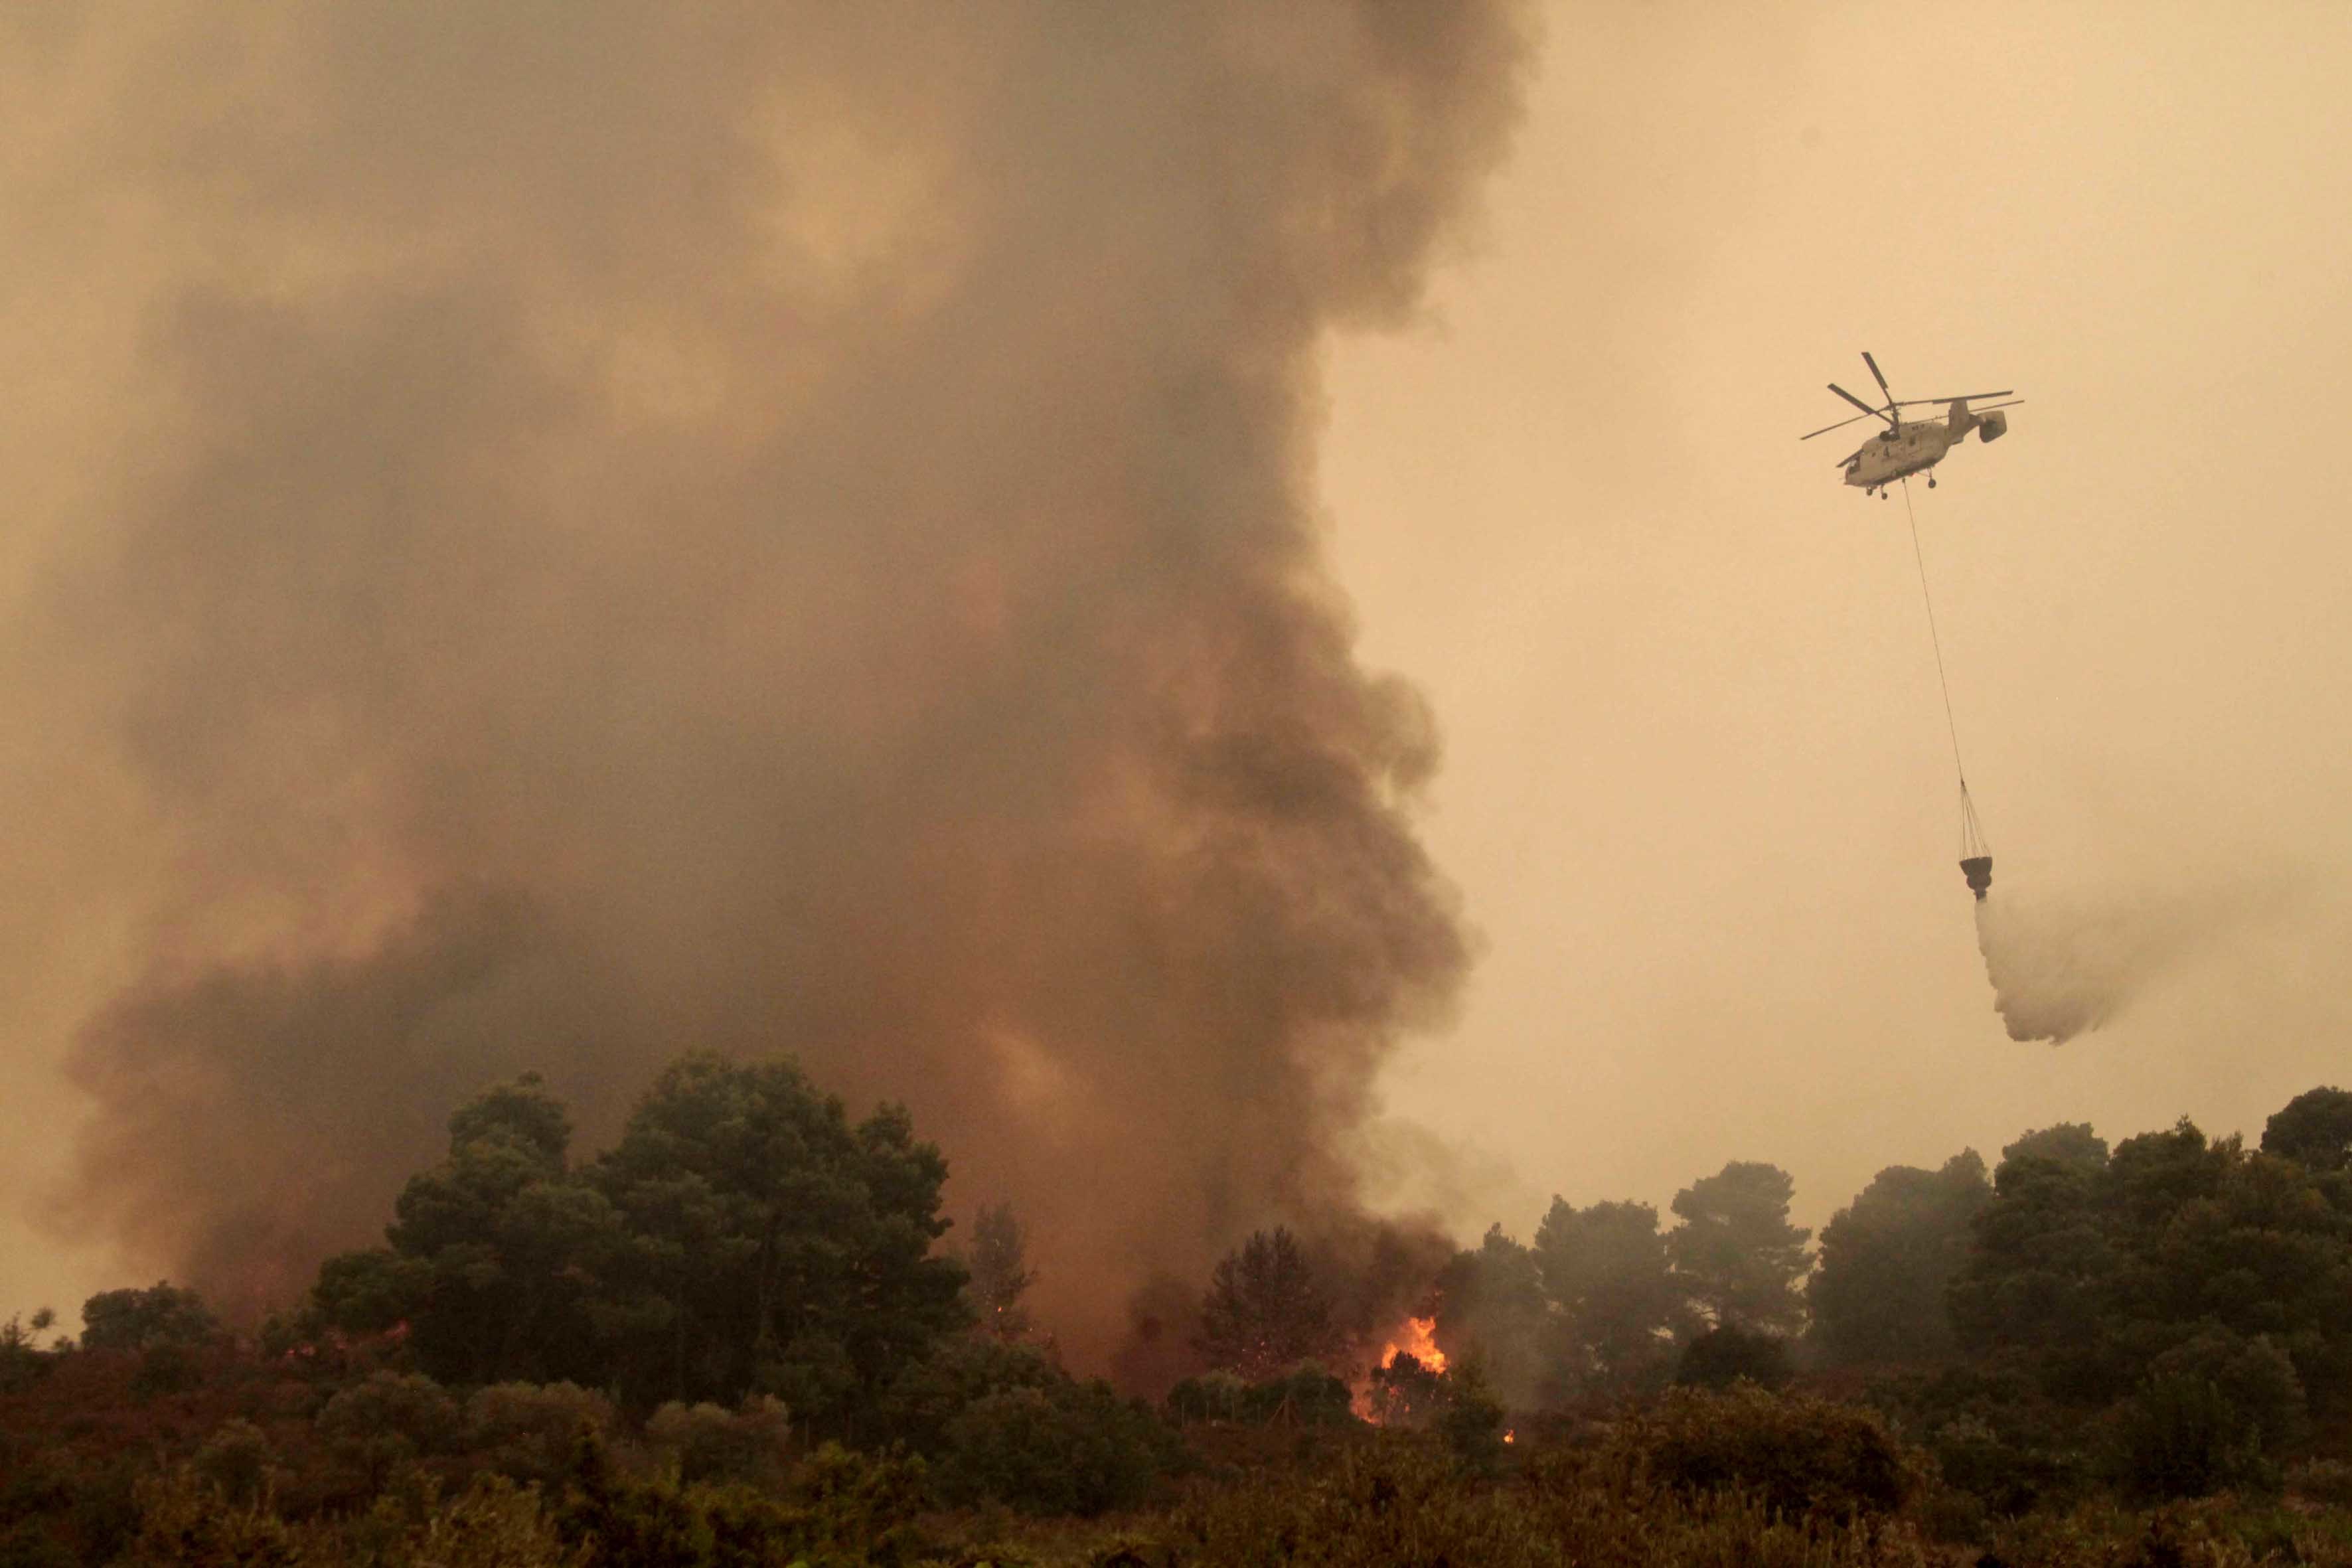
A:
(1897, 454)
(1913, 448)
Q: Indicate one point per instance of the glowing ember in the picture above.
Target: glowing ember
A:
(1510, 1436)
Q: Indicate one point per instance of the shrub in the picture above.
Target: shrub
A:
(1800, 1455)
(391, 1419)
(1076, 1449)
(930, 1392)
(707, 1443)
(493, 1523)
(29, 1544)
(235, 1462)
(840, 1506)
(2209, 1417)
(23, 1361)
(1727, 1352)
(1993, 1433)
(1407, 1391)
(166, 1369)
(840, 1509)
(144, 1320)
(183, 1523)
(1472, 1421)
(103, 1503)
(1400, 1498)
(1213, 1396)
(1306, 1395)
(526, 1431)
(2322, 1480)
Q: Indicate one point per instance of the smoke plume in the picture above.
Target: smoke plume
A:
(773, 528)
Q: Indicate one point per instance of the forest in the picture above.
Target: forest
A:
(746, 1333)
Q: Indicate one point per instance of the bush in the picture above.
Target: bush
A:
(29, 1544)
(23, 1361)
(145, 1319)
(1212, 1396)
(1472, 1421)
(1407, 1391)
(930, 1392)
(1727, 1352)
(840, 1509)
(2322, 1480)
(2210, 1416)
(1993, 1433)
(527, 1431)
(493, 1523)
(1076, 1449)
(1308, 1395)
(1400, 1498)
(166, 1369)
(391, 1419)
(183, 1523)
(236, 1461)
(1800, 1455)
(707, 1444)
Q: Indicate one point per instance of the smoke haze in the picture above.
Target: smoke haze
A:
(539, 490)
(775, 528)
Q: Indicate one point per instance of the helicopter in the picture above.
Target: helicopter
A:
(1907, 447)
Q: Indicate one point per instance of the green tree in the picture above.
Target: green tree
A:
(1736, 1252)
(161, 1317)
(1062, 1447)
(771, 1245)
(493, 1254)
(2314, 1129)
(1491, 1305)
(1265, 1312)
(2266, 1253)
(1888, 1261)
(387, 1421)
(2212, 1413)
(2041, 1272)
(1001, 1274)
(1727, 1353)
(1605, 1270)
(23, 1361)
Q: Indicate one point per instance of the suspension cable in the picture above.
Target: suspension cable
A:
(1972, 838)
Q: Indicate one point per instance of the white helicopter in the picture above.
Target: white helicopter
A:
(1905, 448)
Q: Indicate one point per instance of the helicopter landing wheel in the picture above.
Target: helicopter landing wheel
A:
(1931, 481)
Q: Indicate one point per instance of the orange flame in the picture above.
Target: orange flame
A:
(1417, 1339)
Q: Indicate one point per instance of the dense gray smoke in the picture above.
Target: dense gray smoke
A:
(774, 527)
(2062, 966)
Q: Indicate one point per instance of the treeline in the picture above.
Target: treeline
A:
(741, 1237)
(741, 1322)
(2174, 1315)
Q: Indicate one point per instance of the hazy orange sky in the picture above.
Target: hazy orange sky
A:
(1697, 789)
(1697, 794)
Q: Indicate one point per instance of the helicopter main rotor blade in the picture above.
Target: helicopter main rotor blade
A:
(1881, 376)
(1839, 425)
(1858, 403)
(1971, 396)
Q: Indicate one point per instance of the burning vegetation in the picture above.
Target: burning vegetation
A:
(743, 1317)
